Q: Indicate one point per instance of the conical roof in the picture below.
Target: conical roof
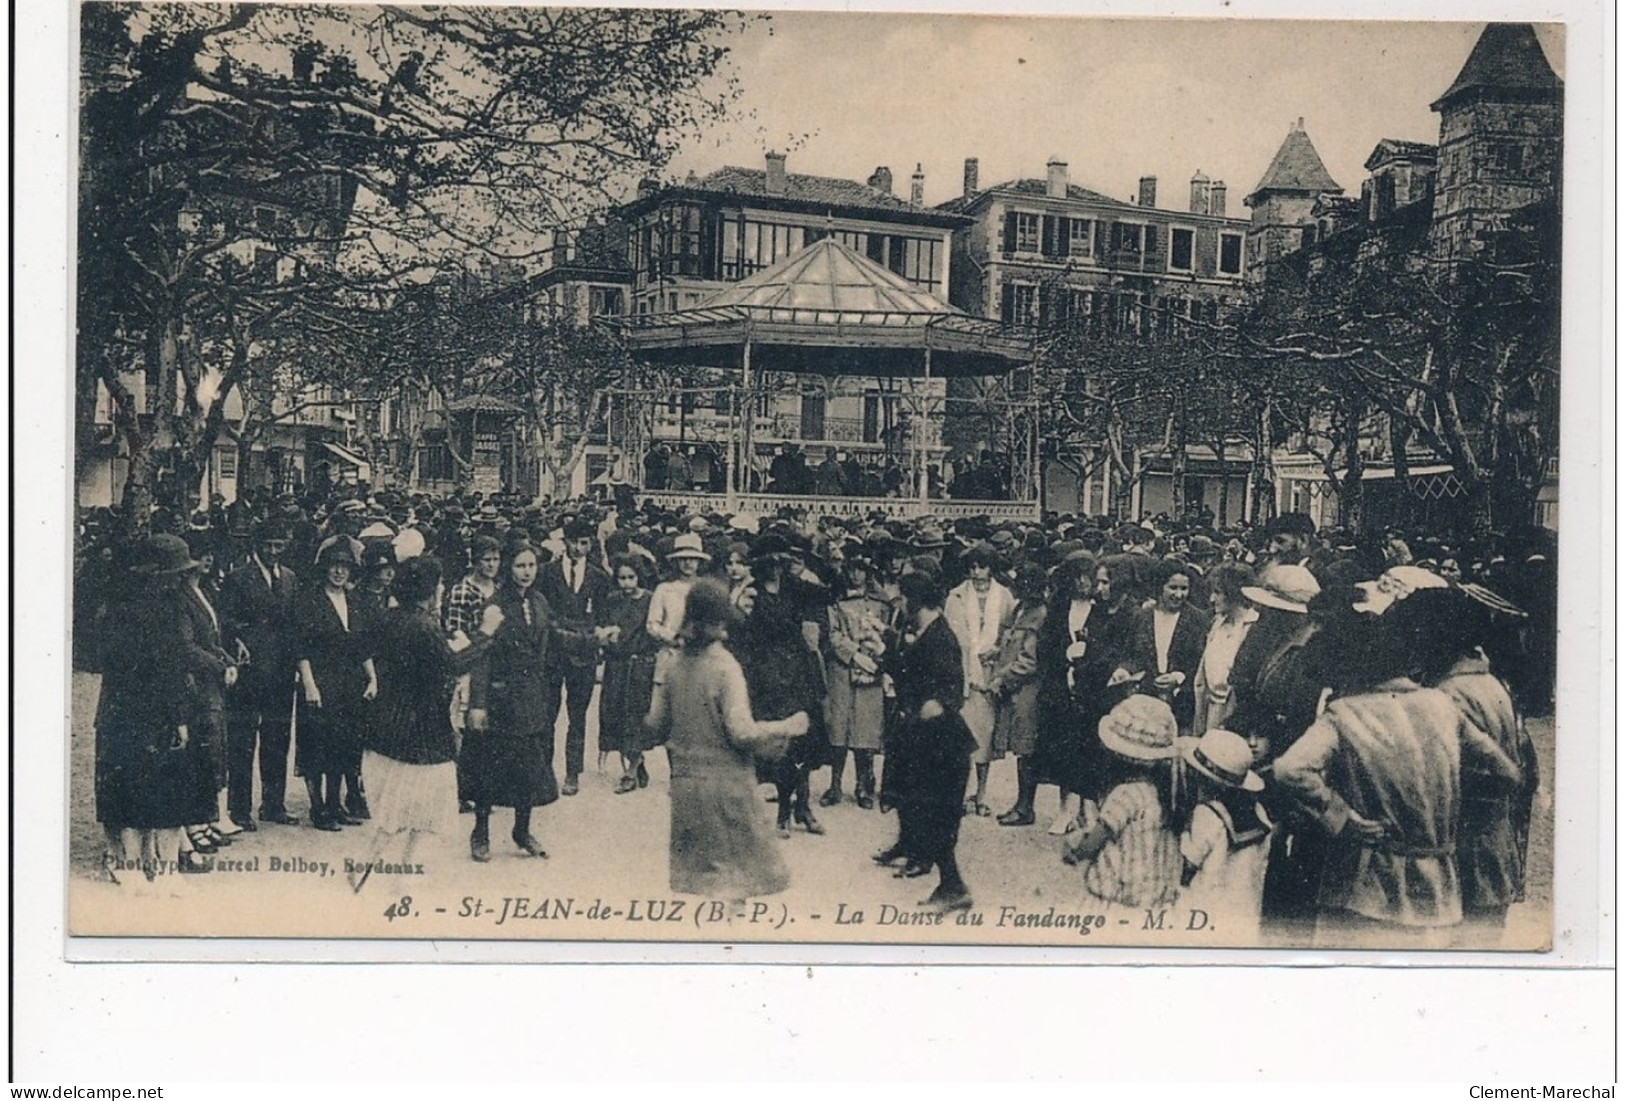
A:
(1506, 58)
(827, 310)
(827, 276)
(1296, 167)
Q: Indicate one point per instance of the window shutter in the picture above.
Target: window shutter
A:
(1104, 232)
(1007, 309)
(1048, 242)
(1009, 231)
(1063, 237)
(1150, 240)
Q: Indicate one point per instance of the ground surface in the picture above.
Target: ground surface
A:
(612, 849)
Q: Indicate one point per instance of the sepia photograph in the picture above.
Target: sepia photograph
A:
(815, 478)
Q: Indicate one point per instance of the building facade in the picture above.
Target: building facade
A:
(1046, 251)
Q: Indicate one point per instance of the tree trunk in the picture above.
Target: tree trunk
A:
(1224, 484)
(1351, 490)
(1263, 476)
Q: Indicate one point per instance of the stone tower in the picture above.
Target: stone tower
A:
(1500, 139)
(1284, 199)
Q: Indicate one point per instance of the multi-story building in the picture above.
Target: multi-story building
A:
(688, 241)
(1043, 252)
(1498, 157)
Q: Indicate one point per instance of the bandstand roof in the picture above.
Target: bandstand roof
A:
(827, 310)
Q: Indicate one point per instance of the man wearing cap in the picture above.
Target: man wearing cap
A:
(257, 608)
(575, 587)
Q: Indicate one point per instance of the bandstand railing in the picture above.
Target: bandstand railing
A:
(907, 508)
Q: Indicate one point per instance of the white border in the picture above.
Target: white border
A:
(1416, 1021)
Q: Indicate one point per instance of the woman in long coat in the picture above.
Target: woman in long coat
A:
(629, 673)
(508, 749)
(146, 770)
(854, 703)
(337, 680)
(720, 844)
(785, 676)
(1014, 687)
(1166, 640)
(928, 754)
(1076, 652)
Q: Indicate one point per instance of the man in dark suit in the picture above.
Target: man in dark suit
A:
(257, 604)
(575, 589)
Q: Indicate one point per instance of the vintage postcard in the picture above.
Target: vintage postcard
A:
(800, 478)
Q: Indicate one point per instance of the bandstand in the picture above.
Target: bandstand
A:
(831, 314)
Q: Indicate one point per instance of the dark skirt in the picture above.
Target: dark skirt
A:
(926, 769)
(622, 704)
(143, 781)
(328, 740)
(506, 770)
(208, 744)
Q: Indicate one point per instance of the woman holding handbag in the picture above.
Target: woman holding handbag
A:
(721, 846)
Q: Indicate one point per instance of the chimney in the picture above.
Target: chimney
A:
(1200, 186)
(647, 186)
(972, 170)
(775, 174)
(1148, 191)
(880, 180)
(1055, 184)
(916, 191)
(563, 247)
(1215, 199)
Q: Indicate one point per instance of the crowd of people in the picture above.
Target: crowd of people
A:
(1294, 728)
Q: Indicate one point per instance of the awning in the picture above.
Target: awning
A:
(363, 469)
(1369, 474)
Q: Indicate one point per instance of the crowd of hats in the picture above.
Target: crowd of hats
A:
(370, 529)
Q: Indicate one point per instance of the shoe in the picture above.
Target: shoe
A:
(347, 820)
(571, 786)
(947, 903)
(245, 826)
(200, 841)
(866, 802)
(830, 797)
(327, 825)
(356, 807)
(643, 775)
(626, 785)
(912, 870)
(229, 830)
(280, 817)
(887, 857)
(784, 827)
(1016, 817)
(807, 822)
(190, 863)
(531, 846)
(465, 807)
(220, 838)
(480, 849)
(982, 809)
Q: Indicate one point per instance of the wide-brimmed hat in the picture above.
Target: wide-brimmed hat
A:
(1141, 728)
(1288, 588)
(688, 545)
(166, 554)
(929, 537)
(1225, 756)
(771, 545)
(1395, 584)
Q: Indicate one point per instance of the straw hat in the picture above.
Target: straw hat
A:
(688, 545)
(1223, 756)
(1141, 728)
(1288, 588)
(1395, 584)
